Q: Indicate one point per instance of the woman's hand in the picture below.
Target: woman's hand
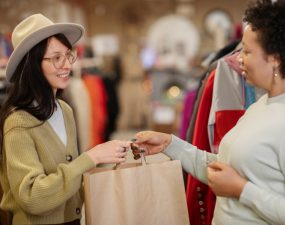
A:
(151, 142)
(224, 180)
(109, 152)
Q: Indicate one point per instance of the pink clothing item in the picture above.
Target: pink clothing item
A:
(189, 101)
(233, 62)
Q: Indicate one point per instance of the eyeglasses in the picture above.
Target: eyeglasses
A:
(59, 59)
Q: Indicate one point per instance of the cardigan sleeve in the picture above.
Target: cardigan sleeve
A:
(35, 191)
(192, 159)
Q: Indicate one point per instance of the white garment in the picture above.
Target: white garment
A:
(78, 97)
(255, 148)
(227, 95)
(57, 123)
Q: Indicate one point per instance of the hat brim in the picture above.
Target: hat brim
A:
(73, 32)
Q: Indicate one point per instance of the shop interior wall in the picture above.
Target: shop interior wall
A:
(129, 19)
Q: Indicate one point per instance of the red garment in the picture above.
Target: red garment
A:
(98, 99)
(225, 120)
(200, 199)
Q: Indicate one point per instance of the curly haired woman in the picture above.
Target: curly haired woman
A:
(248, 173)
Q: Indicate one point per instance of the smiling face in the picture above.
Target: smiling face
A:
(57, 78)
(257, 66)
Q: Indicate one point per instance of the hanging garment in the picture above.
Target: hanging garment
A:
(132, 97)
(188, 106)
(133, 104)
(228, 103)
(77, 96)
(192, 122)
(250, 93)
(97, 95)
(200, 199)
(231, 97)
(113, 108)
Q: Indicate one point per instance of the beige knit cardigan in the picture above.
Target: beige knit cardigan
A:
(40, 176)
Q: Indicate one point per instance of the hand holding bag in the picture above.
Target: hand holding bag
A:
(136, 194)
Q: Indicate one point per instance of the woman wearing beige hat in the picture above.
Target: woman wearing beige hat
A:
(40, 169)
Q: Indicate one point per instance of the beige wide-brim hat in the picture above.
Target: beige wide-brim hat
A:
(33, 30)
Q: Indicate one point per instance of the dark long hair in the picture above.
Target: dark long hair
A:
(29, 85)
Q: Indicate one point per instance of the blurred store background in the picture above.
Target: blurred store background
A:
(138, 60)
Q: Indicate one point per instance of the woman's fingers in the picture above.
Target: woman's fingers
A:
(142, 136)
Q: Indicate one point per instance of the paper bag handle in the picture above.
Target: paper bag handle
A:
(142, 156)
(143, 160)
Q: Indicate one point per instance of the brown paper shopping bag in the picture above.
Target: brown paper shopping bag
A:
(136, 194)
